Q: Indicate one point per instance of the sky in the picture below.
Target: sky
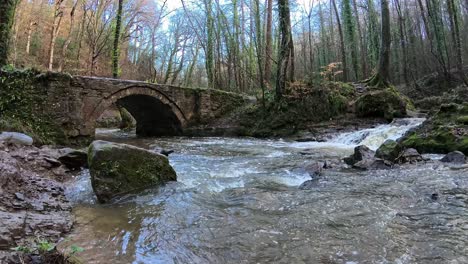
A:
(302, 5)
(174, 4)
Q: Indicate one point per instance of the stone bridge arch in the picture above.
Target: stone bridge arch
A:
(74, 103)
(155, 112)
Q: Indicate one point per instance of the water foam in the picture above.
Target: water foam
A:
(375, 137)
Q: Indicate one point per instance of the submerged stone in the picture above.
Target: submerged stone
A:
(314, 169)
(308, 185)
(118, 169)
(454, 157)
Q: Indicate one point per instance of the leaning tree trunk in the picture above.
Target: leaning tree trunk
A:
(381, 78)
(7, 9)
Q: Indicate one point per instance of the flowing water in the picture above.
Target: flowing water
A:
(237, 201)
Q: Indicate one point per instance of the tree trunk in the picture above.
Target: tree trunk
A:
(258, 42)
(269, 41)
(285, 71)
(7, 9)
(361, 42)
(181, 64)
(210, 44)
(68, 40)
(455, 29)
(380, 79)
(401, 23)
(58, 14)
(188, 77)
(350, 35)
(28, 42)
(342, 45)
(116, 48)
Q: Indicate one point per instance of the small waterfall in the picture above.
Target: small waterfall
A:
(374, 137)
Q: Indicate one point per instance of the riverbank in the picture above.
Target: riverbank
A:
(34, 212)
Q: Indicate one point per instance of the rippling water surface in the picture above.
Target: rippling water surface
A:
(237, 201)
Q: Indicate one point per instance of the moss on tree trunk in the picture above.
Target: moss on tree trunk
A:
(7, 10)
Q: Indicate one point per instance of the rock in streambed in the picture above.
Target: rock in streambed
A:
(118, 169)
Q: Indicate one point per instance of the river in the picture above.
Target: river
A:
(237, 201)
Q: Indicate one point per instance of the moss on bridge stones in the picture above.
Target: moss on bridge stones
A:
(212, 104)
(24, 107)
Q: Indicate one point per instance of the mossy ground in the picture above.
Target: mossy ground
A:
(446, 131)
(300, 105)
(387, 103)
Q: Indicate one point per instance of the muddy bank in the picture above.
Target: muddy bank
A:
(33, 206)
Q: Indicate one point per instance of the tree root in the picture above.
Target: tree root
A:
(376, 81)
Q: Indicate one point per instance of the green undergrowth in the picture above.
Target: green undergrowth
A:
(300, 104)
(446, 131)
(387, 103)
(23, 107)
(44, 251)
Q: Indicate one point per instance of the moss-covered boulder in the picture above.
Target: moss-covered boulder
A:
(117, 169)
(387, 103)
(389, 150)
(444, 132)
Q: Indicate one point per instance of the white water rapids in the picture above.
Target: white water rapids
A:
(237, 201)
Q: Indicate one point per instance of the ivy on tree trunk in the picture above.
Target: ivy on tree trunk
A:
(380, 79)
(7, 10)
(116, 50)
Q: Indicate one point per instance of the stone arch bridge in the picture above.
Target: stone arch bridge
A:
(160, 110)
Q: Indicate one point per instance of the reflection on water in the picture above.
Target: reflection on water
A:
(237, 202)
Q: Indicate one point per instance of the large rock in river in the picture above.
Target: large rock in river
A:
(363, 158)
(389, 150)
(361, 153)
(454, 157)
(118, 169)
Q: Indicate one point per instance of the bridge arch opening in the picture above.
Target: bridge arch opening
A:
(153, 117)
(154, 113)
